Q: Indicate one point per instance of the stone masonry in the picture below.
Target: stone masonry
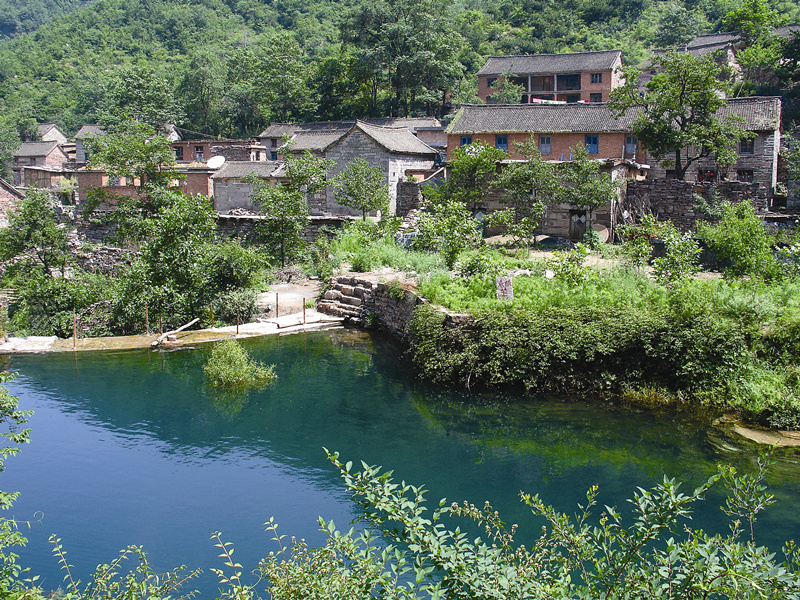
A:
(675, 200)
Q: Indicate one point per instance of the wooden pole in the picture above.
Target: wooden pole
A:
(237, 321)
(211, 307)
(277, 310)
(146, 322)
(160, 325)
(74, 331)
(304, 311)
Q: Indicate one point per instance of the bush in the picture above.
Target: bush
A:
(231, 368)
(229, 265)
(237, 302)
(741, 240)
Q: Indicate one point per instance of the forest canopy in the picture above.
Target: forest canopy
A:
(233, 66)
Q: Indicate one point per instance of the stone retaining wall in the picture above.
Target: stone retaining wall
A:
(387, 307)
(674, 199)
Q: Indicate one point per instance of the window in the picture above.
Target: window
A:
(490, 81)
(745, 175)
(178, 153)
(592, 144)
(746, 146)
(273, 142)
(86, 156)
(273, 156)
(501, 142)
(466, 140)
(595, 97)
(569, 81)
(545, 144)
(597, 78)
(573, 98)
(631, 144)
(198, 153)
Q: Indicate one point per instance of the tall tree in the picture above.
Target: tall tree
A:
(201, 90)
(410, 45)
(677, 111)
(285, 205)
(361, 187)
(139, 94)
(584, 186)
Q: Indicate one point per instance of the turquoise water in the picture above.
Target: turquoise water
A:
(134, 448)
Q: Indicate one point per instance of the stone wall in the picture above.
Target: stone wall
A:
(674, 199)
(242, 227)
(387, 307)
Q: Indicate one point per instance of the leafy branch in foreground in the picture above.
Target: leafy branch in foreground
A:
(653, 553)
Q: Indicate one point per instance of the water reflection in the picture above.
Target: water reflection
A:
(139, 449)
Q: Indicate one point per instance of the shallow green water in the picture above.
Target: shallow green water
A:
(133, 448)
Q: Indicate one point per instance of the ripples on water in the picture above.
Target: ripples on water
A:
(134, 448)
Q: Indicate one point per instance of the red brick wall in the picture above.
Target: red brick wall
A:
(610, 144)
(56, 159)
(197, 183)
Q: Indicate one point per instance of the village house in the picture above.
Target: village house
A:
(199, 151)
(394, 149)
(9, 195)
(232, 192)
(50, 132)
(575, 77)
(85, 132)
(554, 128)
(42, 154)
(196, 179)
(757, 160)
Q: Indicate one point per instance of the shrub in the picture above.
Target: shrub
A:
(229, 265)
(231, 368)
(741, 239)
(238, 302)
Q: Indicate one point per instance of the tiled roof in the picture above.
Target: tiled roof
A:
(759, 114)
(712, 39)
(399, 140)
(552, 63)
(27, 149)
(89, 131)
(549, 118)
(237, 169)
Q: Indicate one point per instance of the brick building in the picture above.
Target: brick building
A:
(575, 77)
(40, 154)
(555, 128)
(757, 157)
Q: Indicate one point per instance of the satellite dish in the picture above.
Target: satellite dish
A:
(215, 162)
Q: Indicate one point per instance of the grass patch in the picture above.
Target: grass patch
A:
(232, 369)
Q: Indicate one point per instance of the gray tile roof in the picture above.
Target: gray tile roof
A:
(89, 131)
(29, 149)
(759, 114)
(239, 169)
(552, 63)
(548, 118)
(398, 140)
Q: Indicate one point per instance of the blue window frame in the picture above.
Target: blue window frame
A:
(466, 140)
(501, 142)
(592, 144)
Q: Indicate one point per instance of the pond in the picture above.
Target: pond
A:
(133, 447)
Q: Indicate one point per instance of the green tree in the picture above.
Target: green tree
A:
(447, 227)
(138, 94)
(678, 111)
(170, 278)
(505, 91)
(34, 232)
(13, 436)
(285, 205)
(408, 45)
(677, 28)
(472, 176)
(741, 242)
(201, 90)
(361, 187)
(752, 20)
(584, 186)
(529, 186)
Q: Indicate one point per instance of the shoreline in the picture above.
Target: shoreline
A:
(285, 324)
